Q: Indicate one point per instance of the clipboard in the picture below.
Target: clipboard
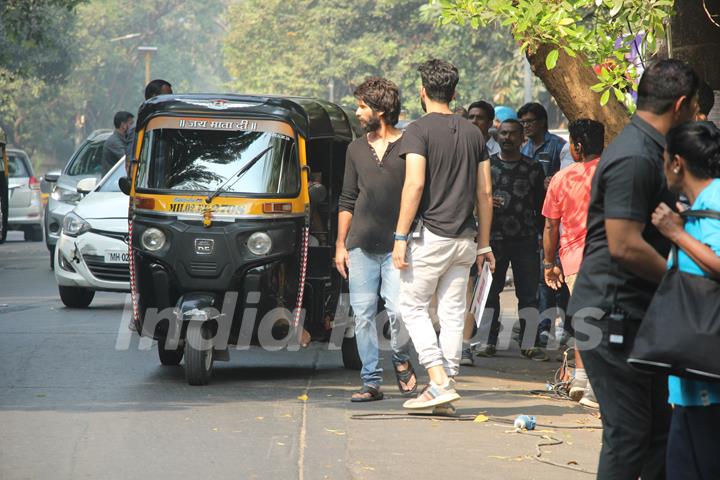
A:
(481, 293)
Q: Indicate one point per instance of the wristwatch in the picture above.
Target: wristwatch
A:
(548, 266)
(399, 237)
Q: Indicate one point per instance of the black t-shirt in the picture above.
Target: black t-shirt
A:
(521, 186)
(629, 184)
(371, 192)
(452, 147)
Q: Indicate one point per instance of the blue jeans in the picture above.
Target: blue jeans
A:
(368, 273)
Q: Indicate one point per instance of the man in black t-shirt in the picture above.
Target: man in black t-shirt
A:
(624, 260)
(446, 175)
(369, 206)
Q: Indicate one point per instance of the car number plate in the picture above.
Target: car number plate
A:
(117, 256)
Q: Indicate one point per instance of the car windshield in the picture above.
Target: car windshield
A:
(203, 160)
(88, 161)
(16, 167)
(111, 181)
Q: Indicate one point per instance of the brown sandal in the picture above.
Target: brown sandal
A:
(375, 394)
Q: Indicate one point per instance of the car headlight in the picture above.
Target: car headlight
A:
(259, 243)
(153, 239)
(74, 225)
(66, 196)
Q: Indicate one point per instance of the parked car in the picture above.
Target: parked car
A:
(86, 162)
(3, 187)
(25, 205)
(92, 251)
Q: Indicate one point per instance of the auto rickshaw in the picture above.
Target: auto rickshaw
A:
(4, 187)
(233, 205)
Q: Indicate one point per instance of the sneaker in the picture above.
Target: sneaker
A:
(486, 351)
(536, 353)
(467, 358)
(433, 395)
(588, 399)
(577, 389)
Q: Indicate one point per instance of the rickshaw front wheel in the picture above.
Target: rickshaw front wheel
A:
(198, 353)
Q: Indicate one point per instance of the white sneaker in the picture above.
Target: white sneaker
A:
(588, 399)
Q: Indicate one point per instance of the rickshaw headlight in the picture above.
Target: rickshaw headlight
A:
(259, 243)
(153, 239)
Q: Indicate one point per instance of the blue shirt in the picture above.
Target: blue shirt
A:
(552, 146)
(684, 392)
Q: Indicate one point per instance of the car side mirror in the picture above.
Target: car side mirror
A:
(318, 193)
(53, 176)
(86, 185)
(124, 184)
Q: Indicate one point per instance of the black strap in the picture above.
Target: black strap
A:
(701, 214)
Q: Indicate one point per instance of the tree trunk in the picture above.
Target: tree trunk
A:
(569, 83)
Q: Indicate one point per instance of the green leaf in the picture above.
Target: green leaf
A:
(605, 97)
(598, 87)
(619, 94)
(552, 59)
(569, 51)
(566, 21)
(617, 6)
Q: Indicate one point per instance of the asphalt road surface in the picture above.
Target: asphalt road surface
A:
(74, 406)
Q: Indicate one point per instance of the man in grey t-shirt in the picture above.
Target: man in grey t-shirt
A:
(116, 144)
(446, 176)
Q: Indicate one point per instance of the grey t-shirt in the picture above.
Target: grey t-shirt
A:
(453, 147)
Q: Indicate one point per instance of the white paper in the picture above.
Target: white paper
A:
(480, 295)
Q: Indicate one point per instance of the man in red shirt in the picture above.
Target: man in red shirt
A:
(565, 210)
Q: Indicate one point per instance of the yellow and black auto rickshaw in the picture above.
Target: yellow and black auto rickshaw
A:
(233, 223)
(4, 187)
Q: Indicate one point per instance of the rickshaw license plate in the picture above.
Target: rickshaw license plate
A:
(117, 256)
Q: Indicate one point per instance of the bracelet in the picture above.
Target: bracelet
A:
(548, 266)
(484, 250)
(399, 237)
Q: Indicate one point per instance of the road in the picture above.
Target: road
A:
(73, 406)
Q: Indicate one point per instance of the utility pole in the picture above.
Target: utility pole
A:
(148, 51)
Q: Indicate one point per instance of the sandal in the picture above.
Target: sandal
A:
(375, 394)
(404, 377)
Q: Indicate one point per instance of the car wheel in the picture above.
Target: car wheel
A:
(170, 356)
(350, 355)
(76, 297)
(198, 353)
(37, 234)
(52, 258)
(3, 207)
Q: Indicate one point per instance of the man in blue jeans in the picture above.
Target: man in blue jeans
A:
(369, 207)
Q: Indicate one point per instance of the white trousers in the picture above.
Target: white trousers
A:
(437, 266)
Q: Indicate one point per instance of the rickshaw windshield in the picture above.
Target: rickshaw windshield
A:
(186, 160)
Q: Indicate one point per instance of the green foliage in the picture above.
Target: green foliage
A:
(106, 70)
(588, 27)
(301, 47)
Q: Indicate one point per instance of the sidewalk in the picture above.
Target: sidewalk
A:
(500, 388)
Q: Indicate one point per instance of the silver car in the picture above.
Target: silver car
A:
(25, 204)
(86, 162)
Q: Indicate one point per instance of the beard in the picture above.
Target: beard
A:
(372, 124)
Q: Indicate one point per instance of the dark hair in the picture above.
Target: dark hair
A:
(153, 88)
(699, 144)
(484, 106)
(663, 83)
(706, 98)
(439, 78)
(512, 121)
(533, 108)
(589, 133)
(381, 95)
(122, 117)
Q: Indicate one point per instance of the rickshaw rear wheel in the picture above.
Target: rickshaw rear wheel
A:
(170, 356)
(350, 355)
(198, 353)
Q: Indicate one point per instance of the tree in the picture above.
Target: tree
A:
(580, 49)
(311, 48)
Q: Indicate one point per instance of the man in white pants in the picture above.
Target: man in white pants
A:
(446, 175)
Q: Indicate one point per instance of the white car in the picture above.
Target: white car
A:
(26, 211)
(92, 250)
